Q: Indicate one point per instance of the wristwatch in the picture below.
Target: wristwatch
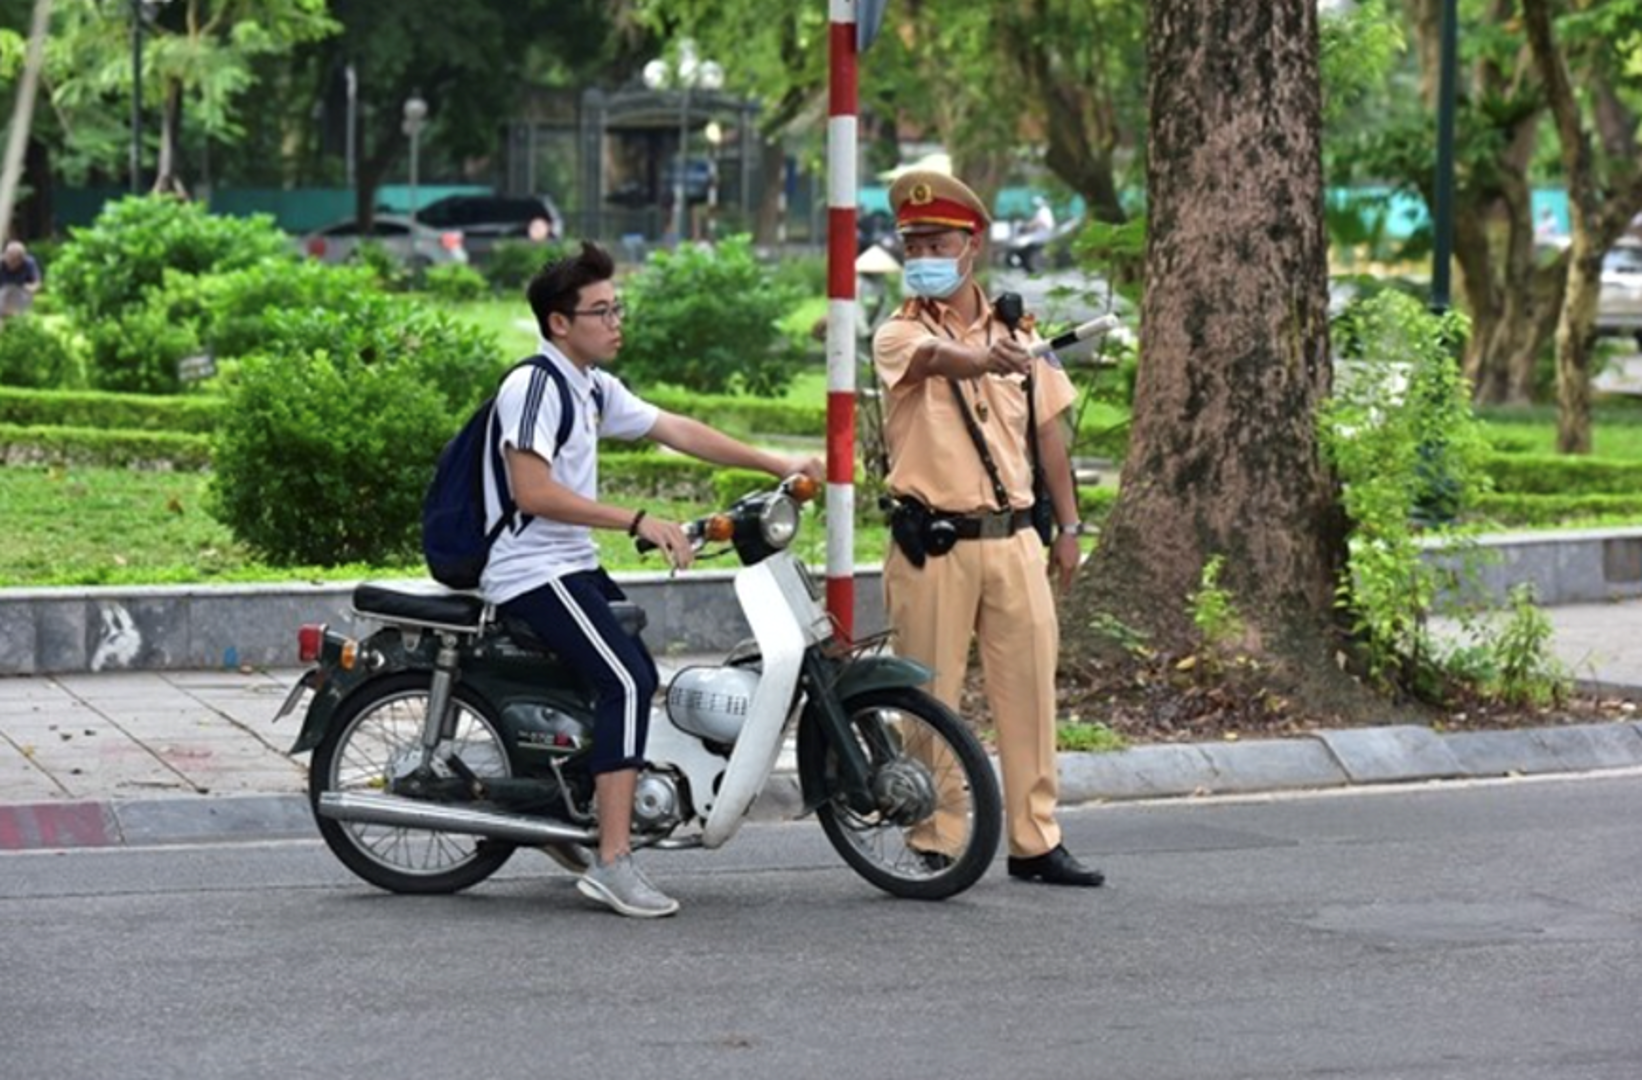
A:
(1075, 528)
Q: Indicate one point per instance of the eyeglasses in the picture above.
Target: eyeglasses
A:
(610, 313)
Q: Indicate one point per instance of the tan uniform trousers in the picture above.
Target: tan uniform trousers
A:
(998, 592)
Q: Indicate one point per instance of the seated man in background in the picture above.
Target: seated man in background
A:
(19, 279)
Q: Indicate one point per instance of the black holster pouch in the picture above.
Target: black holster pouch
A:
(918, 531)
(1043, 518)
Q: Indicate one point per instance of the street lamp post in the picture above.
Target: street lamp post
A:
(687, 74)
(416, 114)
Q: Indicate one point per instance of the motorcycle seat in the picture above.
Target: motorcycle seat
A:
(629, 616)
(432, 606)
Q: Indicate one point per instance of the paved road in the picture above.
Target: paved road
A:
(1468, 932)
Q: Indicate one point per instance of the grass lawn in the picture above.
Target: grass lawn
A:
(128, 527)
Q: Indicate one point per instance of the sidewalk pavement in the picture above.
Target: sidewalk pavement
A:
(164, 757)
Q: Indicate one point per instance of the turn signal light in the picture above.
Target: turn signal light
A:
(309, 641)
(350, 654)
(720, 527)
(801, 488)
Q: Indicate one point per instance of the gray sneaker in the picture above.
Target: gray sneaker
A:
(622, 887)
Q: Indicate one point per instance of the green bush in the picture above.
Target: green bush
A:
(512, 263)
(43, 445)
(108, 268)
(1555, 474)
(32, 355)
(740, 415)
(1401, 422)
(706, 319)
(1516, 510)
(328, 441)
(241, 311)
(454, 281)
(108, 412)
(139, 351)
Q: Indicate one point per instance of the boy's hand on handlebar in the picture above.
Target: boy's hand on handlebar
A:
(670, 539)
(812, 467)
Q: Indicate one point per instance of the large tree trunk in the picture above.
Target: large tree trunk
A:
(1224, 457)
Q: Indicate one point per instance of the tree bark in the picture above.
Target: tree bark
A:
(1224, 458)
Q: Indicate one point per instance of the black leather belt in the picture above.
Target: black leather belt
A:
(989, 526)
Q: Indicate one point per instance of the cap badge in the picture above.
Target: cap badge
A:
(921, 195)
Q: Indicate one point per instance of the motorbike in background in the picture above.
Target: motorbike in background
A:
(448, 738)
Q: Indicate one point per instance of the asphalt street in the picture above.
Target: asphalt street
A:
(1473, 931)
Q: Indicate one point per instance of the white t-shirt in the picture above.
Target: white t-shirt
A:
(528, 405)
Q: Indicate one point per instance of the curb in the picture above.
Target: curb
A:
(168, 628)
(1332, 759)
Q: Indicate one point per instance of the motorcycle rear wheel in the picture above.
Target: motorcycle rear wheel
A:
(937, 796)
(377, 728)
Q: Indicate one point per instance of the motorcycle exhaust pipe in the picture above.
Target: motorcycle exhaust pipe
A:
(369, 809)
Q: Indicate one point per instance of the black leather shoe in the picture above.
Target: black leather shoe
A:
(1057, 867)
(933, 861)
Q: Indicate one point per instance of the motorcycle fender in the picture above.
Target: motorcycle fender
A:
(880, 673)
(861, 676)
(331, 687)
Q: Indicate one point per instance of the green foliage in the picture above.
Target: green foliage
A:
(326, 445)
(512, 263)
(31, 354)
(454, 282)
(95, 409)
(1213, 610)
(1388, 412)
(1360, 44)
(1089, 738)
(1515, 510)
(706, 320)
(109, 268)
(1552, 474)
(1401, 410)
(138, 351)
(100, 447)
(242, 311)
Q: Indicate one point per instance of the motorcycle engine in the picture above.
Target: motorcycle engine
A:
(656, 804)
(711, 702)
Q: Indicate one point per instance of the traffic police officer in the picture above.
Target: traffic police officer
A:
(966, 562)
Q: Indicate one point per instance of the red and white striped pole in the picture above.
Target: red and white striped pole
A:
(841, 201)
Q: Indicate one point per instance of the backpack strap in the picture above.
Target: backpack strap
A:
(511, 518)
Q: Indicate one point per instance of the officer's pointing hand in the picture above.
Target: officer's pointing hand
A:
(1008, 357)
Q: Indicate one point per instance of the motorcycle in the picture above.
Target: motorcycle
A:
(449, 738)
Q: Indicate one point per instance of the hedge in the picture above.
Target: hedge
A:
(1516, 508)
(105, 411)
(1554, 474)
(49, 445)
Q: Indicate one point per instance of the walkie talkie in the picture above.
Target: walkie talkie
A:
(1010, 310)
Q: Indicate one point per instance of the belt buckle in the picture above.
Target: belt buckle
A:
(996, 526)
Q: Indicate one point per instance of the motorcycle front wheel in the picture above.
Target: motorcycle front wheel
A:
(937, 815)
(375, 736)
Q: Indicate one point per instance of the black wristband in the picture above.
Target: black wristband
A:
(633, 529)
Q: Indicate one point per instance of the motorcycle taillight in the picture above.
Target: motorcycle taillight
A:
(310, 639)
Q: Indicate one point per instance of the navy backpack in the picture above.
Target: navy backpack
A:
(455, 541)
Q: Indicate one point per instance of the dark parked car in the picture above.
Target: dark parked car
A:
(484, 220)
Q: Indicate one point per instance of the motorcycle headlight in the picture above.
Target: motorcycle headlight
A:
(778, 522)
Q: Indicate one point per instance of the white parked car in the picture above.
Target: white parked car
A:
(422, 246)
(1619, 310)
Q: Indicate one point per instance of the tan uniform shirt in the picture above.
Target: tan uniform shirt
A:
(932, 457)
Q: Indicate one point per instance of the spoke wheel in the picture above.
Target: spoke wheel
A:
(375, 737)
(937, 817)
